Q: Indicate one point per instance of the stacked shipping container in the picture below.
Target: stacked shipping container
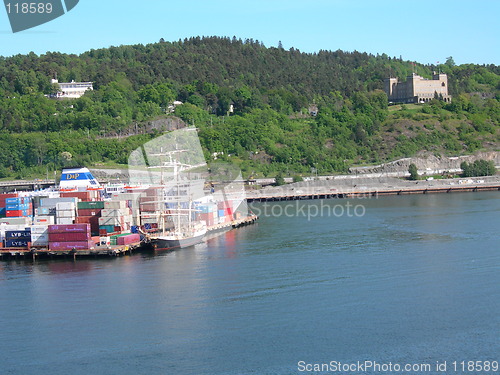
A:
(89, 212)
(18, 207)
(70, 237)
(17, 239)
(65, 213)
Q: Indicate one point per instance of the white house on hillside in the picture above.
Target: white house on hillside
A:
(71, 90)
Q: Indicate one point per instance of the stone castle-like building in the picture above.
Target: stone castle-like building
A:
(417, 89)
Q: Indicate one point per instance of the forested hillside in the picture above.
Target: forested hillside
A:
(270, 90)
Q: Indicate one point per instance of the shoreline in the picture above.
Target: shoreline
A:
(340, 189)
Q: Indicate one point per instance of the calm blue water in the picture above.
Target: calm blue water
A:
(415, 280)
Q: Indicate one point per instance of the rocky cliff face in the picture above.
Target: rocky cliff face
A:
(428, 162)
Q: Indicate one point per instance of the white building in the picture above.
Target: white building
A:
(71, 90)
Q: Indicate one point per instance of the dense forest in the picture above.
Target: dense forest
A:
(270, 90)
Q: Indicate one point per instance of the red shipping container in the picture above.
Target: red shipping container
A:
(92, 220)
(69, 237)
(228, 211)
(127, 240)
(77, 245)
(16, 213)
(3, 197)
(10, 195)
(69, 228)
(90, 212)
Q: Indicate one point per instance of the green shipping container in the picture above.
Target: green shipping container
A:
(90, 205)
(108, 228)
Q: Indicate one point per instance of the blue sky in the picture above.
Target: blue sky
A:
(426, 32)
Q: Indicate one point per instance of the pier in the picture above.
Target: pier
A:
(34, 253)
(251, 219)
(329, 190)
(45, 253)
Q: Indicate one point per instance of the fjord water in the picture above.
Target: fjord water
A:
(414, 280)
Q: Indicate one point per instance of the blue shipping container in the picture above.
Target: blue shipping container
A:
(42, 211)
(16, 243)
(206, 209)
(18, 207)
(14, 201)
(24, 235)
(220, 213)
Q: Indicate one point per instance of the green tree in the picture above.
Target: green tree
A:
(279, 180)
(413, 172)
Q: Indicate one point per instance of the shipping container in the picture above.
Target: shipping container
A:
(89, 212)
(17, 206)
(91, 205)
(207, 208)
(92, 220)
(107, 228)
(68, 246)
(13, 200)
(82, 195)
(223, 205)
(52, 202)
(128, 239)
(9, 195)
(149, 207)
(48, 220)
(65, 206)
(111, 212)
(69, 237)
(115, 204)
(111, 221)
(66, 213)
(24, 235)
(44, 211)
(39, 229)
(40, 241)
(39, 235)
(65, 220)
(15, 221)
(17, 243)
(17, 213)
(69, 228)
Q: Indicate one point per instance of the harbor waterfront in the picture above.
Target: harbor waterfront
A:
(415, 280)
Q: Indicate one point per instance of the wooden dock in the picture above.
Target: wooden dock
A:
(35, 253)
(251, 219)
(46, 253)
